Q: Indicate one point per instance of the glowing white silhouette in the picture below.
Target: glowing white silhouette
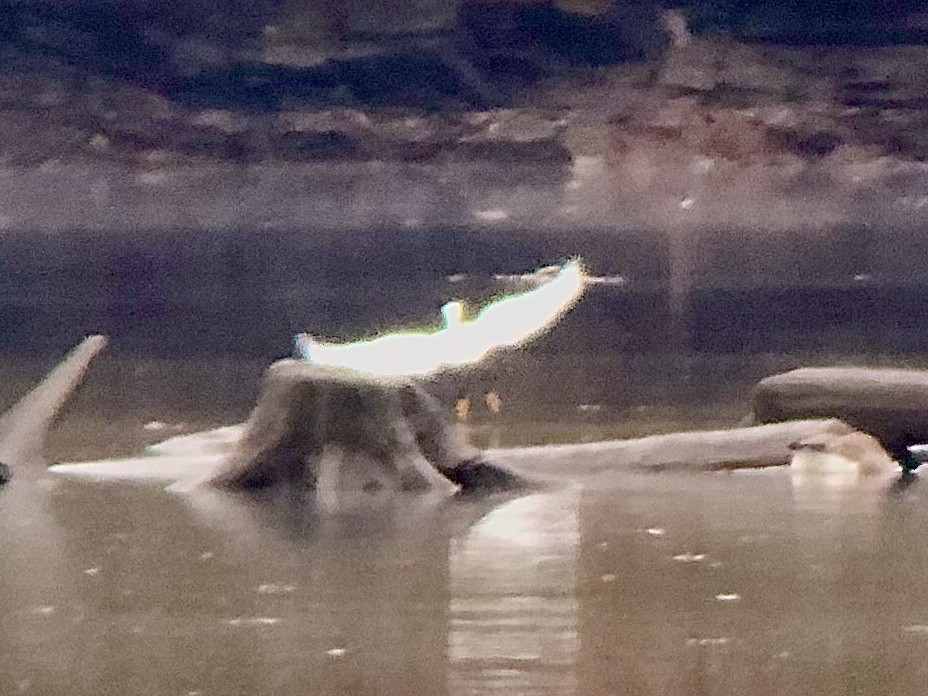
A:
(505, 323)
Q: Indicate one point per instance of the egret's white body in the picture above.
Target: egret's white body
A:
(505, 323)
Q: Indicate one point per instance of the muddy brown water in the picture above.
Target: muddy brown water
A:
(629, 584)
(626, 584)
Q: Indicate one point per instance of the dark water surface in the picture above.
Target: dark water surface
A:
(632, 584)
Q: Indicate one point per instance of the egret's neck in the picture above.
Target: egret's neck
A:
(453, 314)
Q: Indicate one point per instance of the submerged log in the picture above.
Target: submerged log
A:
(715, 450)
(314, 423)
(890, 404)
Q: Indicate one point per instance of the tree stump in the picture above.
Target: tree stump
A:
(375, 432)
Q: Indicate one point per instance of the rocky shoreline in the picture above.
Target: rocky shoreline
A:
(717, 132)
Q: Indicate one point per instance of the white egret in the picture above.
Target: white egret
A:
(505, 323)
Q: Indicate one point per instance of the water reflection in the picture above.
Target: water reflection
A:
(127, 588)
(140, 591)
(38, 589)
(513, 625)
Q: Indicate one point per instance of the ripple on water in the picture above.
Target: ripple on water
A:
(254, 621)
(708, 642)
(728, 597)
(272, 588)
(689, 557)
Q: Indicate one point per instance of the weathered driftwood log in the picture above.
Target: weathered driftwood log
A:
(892, 405)
(714, 450)
(24, 427)
(374, 431)
(189, 461)
(377, 432)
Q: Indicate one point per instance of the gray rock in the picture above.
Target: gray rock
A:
(891, 404)
(751, 68)
(693, 67)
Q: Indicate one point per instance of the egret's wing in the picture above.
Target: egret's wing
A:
(515, 319)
